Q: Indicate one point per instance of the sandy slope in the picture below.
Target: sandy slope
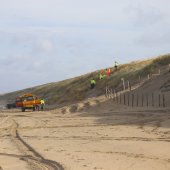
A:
(104, 137)
(157, 85)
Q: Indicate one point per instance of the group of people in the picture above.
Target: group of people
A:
(103, 75)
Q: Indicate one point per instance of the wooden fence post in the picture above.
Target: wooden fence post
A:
(114, 95)
(128, 99)
(124, 99)
(153, 103)
(128, 85)
(148, 76)
(142, 99)
(147, 99)
(159, 100)
(111, 94)
(132, 99)
(139, 78)
(120, 98)
(163, 100)
(159, 72)
(106, 93)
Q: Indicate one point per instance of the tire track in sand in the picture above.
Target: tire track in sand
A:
(33, 158)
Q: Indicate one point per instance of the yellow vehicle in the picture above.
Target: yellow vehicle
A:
(29, 101)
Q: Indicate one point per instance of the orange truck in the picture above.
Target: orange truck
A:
(28, 101)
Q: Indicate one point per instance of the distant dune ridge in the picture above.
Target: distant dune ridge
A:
(72, 91)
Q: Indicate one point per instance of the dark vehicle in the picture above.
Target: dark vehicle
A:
(11, 105)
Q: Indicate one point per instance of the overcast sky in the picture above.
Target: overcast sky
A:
(44, 41)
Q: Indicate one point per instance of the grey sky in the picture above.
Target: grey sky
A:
(44, 41)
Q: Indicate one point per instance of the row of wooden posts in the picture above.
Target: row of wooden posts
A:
(126, 96)
(138, 100)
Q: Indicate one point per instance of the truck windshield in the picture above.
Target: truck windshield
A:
(30, 98)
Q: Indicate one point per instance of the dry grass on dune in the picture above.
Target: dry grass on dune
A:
(76, 89)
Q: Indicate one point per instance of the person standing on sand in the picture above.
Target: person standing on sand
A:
(42, 104)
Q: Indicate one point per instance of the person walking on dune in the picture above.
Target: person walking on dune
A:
(116, 65)
(101, 76)
(108, 72)
(92, 83)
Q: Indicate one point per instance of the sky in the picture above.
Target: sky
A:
(43, 41)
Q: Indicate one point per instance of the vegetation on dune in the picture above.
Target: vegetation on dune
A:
(58, 94)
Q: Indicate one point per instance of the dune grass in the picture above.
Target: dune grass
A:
(70, 91)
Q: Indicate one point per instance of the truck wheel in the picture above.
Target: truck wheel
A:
(23, 109)
(33, 108)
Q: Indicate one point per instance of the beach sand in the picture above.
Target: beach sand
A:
(103, 137)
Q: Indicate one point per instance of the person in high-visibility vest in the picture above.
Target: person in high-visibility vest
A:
(42, 104)
(116, 65)
(92, 83)
(102, 76)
